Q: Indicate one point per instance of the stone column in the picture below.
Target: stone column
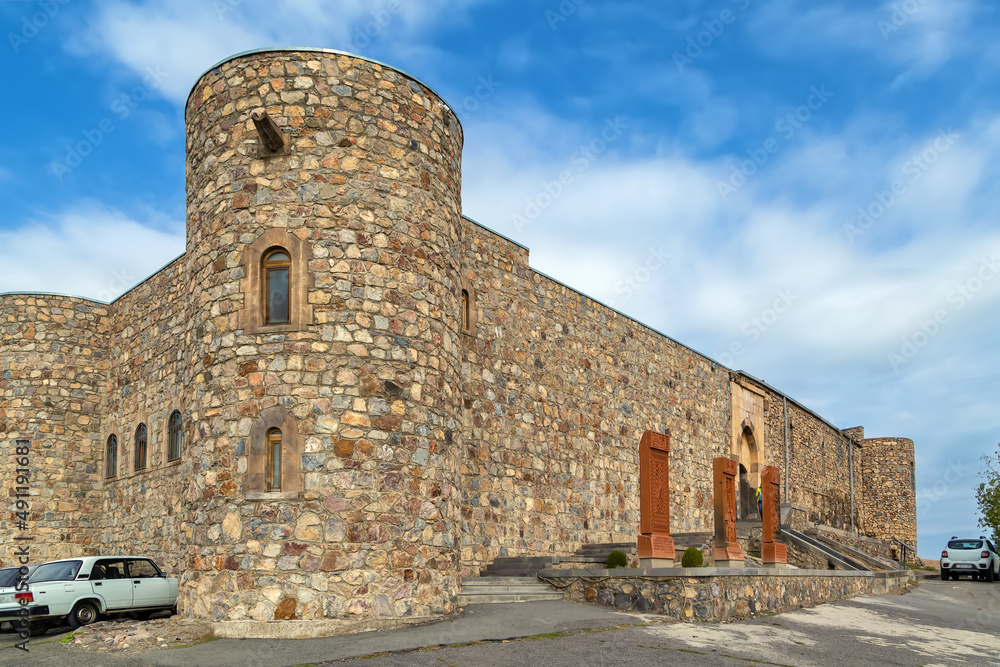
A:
(774, 553)
(727, 550)
(656, 547)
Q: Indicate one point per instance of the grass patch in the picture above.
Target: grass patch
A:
(67, 638)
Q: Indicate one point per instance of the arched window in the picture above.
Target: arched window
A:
(111, 457)
(273, 460)
(174, 436)
(466, 311)
(140, 447)
(274, 271)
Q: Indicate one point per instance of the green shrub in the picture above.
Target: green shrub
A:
(692, 558)
(617, 559)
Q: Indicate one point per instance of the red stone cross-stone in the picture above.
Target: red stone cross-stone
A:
(654, 499)
(773, 553)
(727, 549)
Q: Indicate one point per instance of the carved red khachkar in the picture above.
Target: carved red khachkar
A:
(772, 552)
(654, 497)
(726, 546)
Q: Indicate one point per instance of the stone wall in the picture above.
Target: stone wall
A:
(147, 380)
(557, 392)
(819, 464)
(890, 490)
(706, 594)
(53, 361)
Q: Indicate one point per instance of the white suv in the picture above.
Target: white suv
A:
(977, 558)
(81, 589)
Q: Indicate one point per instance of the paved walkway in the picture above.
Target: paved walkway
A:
(940, 623)
(487, 622)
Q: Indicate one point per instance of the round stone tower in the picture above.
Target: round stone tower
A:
(323, 237)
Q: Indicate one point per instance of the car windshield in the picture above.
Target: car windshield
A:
(60, 571)
(965, 544)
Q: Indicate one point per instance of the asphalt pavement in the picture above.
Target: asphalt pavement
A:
(939, 623)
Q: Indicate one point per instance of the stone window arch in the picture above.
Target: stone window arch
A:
(111, 457)
(174, 437)
(276, 263)
(467, 306)
(274, 434)
(139, 447)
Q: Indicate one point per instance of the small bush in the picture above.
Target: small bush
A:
(617, 559)
(692, 558)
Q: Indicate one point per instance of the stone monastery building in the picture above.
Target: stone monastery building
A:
(345, 395)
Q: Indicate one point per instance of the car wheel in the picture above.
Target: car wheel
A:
(39, 628)
(944, 575)
(84, 613)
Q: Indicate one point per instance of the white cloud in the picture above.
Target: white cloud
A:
(186, 37)
(89, 250)
(921, 39)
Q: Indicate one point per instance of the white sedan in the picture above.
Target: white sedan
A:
(82, 589)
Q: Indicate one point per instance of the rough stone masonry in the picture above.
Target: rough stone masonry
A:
(429, 403)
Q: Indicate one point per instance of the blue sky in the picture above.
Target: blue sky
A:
(805, 191)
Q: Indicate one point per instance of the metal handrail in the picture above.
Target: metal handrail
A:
(902, 553)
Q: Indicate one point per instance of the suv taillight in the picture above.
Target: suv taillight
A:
(984, 554)
(944, 554)
(24, 598)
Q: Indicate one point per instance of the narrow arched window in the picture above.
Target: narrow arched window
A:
(273, 475)
(140, 448)
(274, 271)
(111, 457)
(466, 311)
(174, 436)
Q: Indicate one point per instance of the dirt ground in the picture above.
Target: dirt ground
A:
(131, 637)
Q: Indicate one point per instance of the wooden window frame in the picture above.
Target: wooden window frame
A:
(469, 315)
(111, 457)
(273, 438)
(140, 447)
(174, 432)
(267, 265)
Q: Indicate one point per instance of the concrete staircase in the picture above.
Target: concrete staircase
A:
(837, 559)
(487, 590)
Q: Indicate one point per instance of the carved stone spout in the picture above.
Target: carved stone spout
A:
(272, 141)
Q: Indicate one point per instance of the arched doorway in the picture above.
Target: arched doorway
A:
(749, 455)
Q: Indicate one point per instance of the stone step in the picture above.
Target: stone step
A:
(494, 590)
(500, 598)
(484, 585)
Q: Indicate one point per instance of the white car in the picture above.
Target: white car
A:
(9, 577)
(976, 558)
(82, 589)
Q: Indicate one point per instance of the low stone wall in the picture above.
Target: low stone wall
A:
(805, 559)
(719, 594)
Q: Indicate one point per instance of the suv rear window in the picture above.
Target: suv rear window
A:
(965, 544)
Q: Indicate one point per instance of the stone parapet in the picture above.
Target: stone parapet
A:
(719, 594)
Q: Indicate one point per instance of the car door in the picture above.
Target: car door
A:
(110, 580)
(149, 587)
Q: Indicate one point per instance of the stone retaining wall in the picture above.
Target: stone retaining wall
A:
(719, 594)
